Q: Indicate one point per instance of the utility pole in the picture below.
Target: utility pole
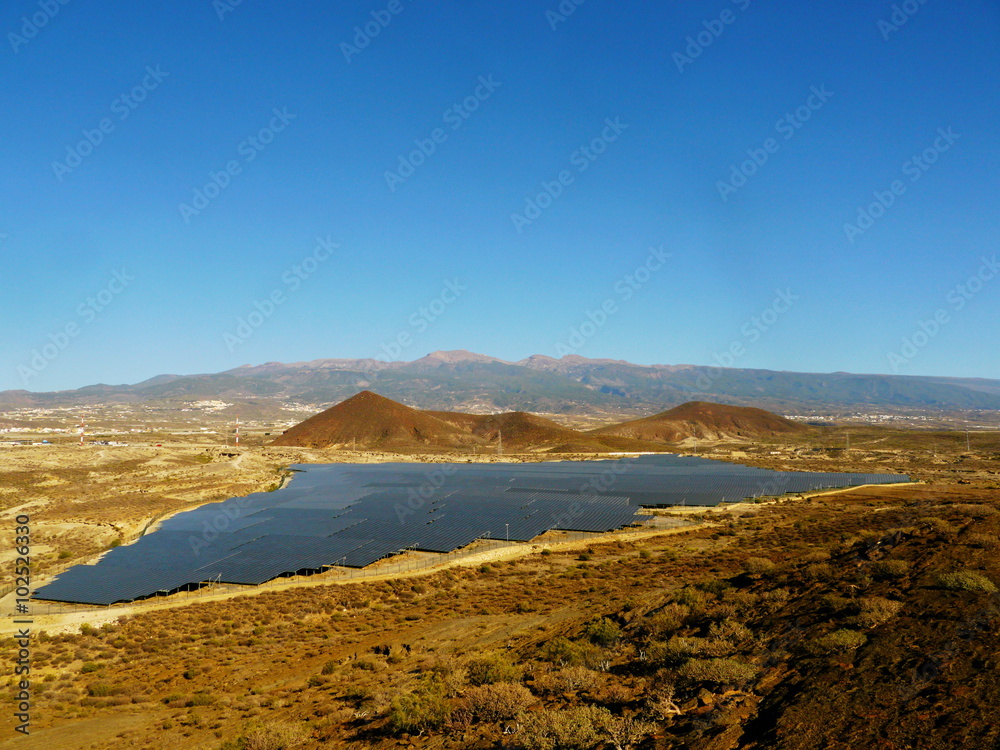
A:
(499, 442)
(237, 432)
(83, 427)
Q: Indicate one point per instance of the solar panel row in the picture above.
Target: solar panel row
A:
(353, 515)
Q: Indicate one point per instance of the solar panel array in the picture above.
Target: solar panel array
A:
(352, 515)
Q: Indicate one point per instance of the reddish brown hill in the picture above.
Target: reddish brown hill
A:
(519, 429)
(705, 421)
(368, 420)
(372, 421)
(522, 431)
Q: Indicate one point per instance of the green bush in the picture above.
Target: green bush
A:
(967, 580)
(423, 709)
(492, 667)
(718, 671)
(603, 632)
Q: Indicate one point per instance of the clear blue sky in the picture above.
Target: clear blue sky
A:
(66, 228)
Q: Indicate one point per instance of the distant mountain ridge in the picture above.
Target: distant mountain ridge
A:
(464, 381)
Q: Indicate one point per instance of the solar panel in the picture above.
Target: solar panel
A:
(353, 515)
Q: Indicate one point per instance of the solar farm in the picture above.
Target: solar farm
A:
(353, 515)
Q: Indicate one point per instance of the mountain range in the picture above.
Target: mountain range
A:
(461, 380)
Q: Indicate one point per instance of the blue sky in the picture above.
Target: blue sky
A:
(187, 96)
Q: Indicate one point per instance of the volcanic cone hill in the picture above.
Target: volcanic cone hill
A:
(517, 429)
(706, 421)
(369, 420)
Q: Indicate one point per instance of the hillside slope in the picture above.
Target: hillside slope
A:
(369, 420)
(705, 421)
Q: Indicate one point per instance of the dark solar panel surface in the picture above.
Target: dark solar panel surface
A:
(356, 514)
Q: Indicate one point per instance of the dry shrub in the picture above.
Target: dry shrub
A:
(572, 729)
(718, 671)
(983, 541)
(876, 610)
(667, 621)
(661, 704)
(677, 650)
(838, 641)
(567, 653)
(776, 599)
(271, 735)
(887, 569)
(819, 572)
(567, 680)
(503, 700)
(734, 634)
(939, 525)
(967, 580)
(759, 566)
